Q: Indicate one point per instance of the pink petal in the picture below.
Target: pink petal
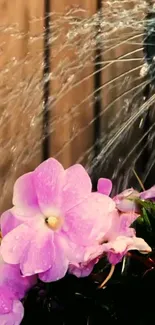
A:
(113, 231)
(123, 200)
(91, 256)
(125, 194)
(115, 258)
(10, 275)
(71, 250)
(140, 245)
(126, 206)
(149, 194)
(49, 180)
(15, 316)
(117, 248)
(81, 271)
(8, 222)
(26, 215)
(92, 253)
(91, 218)
(77, 186)
(120, 226)
(104, 186)
(6, 300)
(25, 198)
(126, 220)
(39, 254)
(119, 245)
(59, 266)
(24, 194)
(14, 244)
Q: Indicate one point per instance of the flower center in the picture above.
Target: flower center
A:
(54, 223)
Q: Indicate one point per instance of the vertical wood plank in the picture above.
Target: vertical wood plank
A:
(71, 86)
(122, 55)
(21, 46)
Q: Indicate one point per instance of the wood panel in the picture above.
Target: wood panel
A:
(72, 41)
(71, 84)
(122, 59)
(20, 90)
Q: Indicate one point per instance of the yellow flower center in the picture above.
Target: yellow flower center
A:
(54, 223)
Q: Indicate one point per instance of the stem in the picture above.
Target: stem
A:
(139, 180)
(112, 269)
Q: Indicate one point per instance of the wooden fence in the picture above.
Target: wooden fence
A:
(71, 103)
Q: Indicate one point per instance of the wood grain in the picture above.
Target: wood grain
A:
(73, 135)
(20, 90)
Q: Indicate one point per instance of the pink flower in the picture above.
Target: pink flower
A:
(119, 233)
(12, 288)
(54, 214)
(123, 200)
(121, 238)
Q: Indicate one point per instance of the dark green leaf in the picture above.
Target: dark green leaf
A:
(146, 220)
(148, 205)
(139, 220)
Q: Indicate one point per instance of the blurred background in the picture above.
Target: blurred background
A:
(77, 83)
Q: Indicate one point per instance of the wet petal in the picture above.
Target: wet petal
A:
(70, 249)
(15, 316)
(8, 222)
(24, 198)
(39, 254)
(59, 266)
(24, 194)
(104, 186)
(13, 245)
(89, 219)
(49, 180)
(77, 186)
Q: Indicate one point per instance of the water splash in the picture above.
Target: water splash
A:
(83, 45)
